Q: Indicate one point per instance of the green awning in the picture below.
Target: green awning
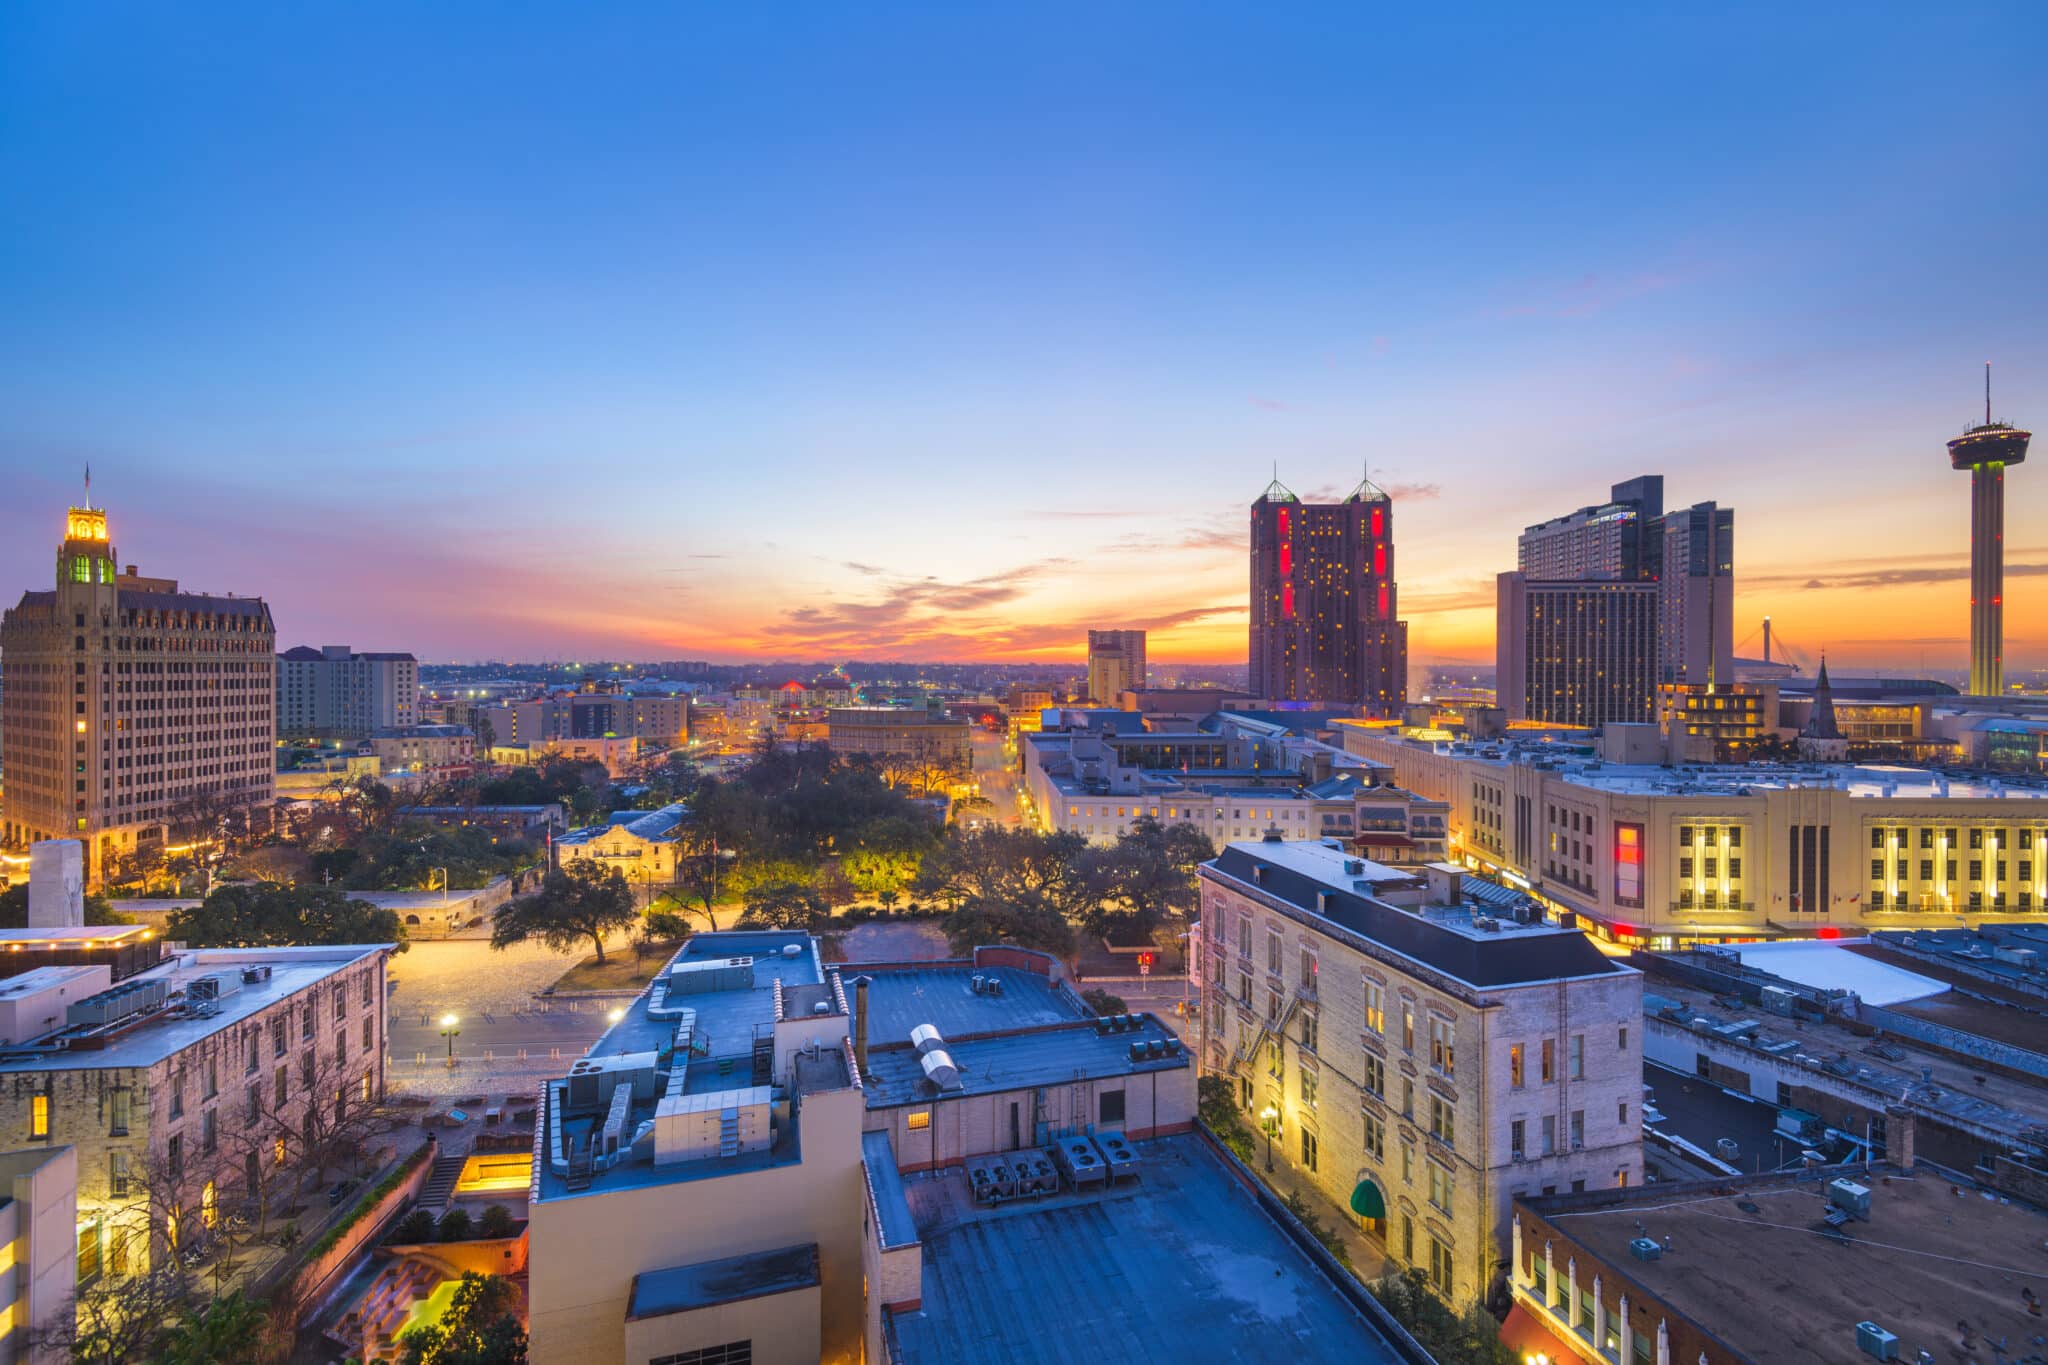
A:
(1367, 1201)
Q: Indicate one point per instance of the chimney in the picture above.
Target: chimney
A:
(1898, 1136)
(860, 1023)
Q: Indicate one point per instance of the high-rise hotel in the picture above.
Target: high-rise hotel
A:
(125, 699)
(1325, 613)
(1609, 604)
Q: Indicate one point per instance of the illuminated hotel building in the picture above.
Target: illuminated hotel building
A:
(1985, 451)
(125, 698)
(1116, 665)
(1651, 853)
(1610, 602)
(1325, 612)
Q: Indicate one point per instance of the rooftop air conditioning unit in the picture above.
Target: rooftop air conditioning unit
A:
(1645, 1249)
(1875, 1342)
(252, 975)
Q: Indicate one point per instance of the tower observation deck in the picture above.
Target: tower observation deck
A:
(1986, 451)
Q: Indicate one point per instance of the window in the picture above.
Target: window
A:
(1443, 1045)
(1514, 1066)
(1244, 936)
(174, 1154)
(1685, 836)
(1549, 1134)
(340, 1004)
(1408, 1026)
(1308, 1088)
(1309, 1030)
(118, 1174)
(1244, 990)
(91, 1242)
(1407, 1098)
(120, 1106)
(277, 1036)
(281, 1085)
(369, 1033)
(177, 1094)
(919, 1120)
(1624, 1038)
(1308, 970)
(39, 1118)
(1517, 1140)
(254, 1042)
(1408, 1162)
(1375, 1076)
(727, 1353)
(255, 1101)
(1621, 1113)
(1308, 1149)
(1443, 1120)
(1440, 1186)
(212, 1087)
(1578, 1056)
(209, 1130)
(1109, 1106)
(1578, 1128)
(1375, 1007)
(1549, 1060)
(1375, 1138)
(1273, 951)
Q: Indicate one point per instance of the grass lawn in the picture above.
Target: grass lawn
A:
(621, 971)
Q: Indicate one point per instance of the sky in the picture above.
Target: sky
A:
(949, 331)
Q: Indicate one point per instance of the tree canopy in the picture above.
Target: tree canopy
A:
(271, 915)
(585, 899)
(14, 909)
(481, 1327)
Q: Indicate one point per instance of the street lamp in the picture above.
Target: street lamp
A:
(618, 1014)
(451, 1033)
(1272, 1118)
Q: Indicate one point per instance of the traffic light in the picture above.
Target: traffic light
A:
(1144, 959)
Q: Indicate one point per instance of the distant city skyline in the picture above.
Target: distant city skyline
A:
(949, 336)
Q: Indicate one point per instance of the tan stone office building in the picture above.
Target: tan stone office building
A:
(1421, 1049)
(125, 698)
(1666, 855)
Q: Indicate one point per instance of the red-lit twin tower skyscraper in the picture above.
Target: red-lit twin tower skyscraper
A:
(1325, 613)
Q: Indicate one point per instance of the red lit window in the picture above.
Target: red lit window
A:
(1383, 601)
(1628, 865)
(1283, 523)
(1287, 601)
(1379, 558)
(1286, 556)
(1379, 521)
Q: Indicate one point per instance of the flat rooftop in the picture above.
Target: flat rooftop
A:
(1478, 940)
(1053, 1055)
(943, 995)
(725, 1018)
(1870, 780)
(157, 1034)
(679, 1289)
(1953, 1088)
(1753, 1263)
(1180, 1265)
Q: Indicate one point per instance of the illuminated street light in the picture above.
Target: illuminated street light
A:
(1271, 1116)
(618, 1014)
(451, 1033)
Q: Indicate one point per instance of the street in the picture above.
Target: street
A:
(997, 778)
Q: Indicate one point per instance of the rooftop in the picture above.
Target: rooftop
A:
(1952, 1086)
(1476, 940)
(1753, 1263)
(644, 824)
(706, 1284)
(151, 1036)
(943, 995)
(1180, 1265)
(1053, 1055)
(1869, 781)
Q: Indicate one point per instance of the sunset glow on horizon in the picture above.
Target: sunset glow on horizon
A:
(947, 336)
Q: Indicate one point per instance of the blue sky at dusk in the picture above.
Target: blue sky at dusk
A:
(951, 331)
